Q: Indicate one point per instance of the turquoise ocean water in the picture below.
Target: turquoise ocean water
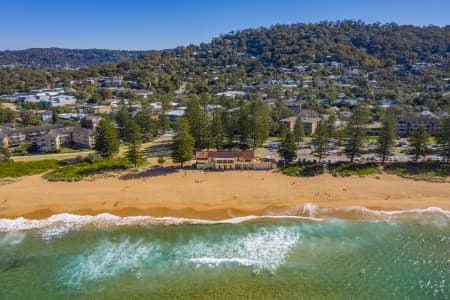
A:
(406, 256)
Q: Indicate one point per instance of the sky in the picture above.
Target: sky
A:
(152, 24)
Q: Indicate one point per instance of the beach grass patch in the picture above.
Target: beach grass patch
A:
(13, 168)
(303, 169)
(348, 169)
(420, 170)
(81, 170)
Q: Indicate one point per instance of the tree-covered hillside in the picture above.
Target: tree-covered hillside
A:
(64, 58)
(310, 62)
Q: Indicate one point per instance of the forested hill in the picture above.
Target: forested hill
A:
(328, 57)
(50, 58)
(353, 43)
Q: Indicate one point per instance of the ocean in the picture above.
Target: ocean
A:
(352, 253)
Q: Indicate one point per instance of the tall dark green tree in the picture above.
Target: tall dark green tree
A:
(106, 139)
(443, 138)
(320, 139)
(299, 130)
(418, 142)
(122, 119)
(134, 142)
(182, 142)
(259, 122)
(331, 121)
(288, 148)
(355, 132)
(198, 122)
(148, 124)
(243, 128)
(54, 116)
(216, 128)
(388, 135)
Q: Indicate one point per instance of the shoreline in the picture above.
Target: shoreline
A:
(215, 195)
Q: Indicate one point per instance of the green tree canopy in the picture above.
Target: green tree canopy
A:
(444, 138)
(288, 148)
(320, 139)
(106, 139)
(418, 142)
(356, 131)
(299, 130)
(182, 142)
(388, 135)
(134, 140)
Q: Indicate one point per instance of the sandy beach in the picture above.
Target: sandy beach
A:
(216, 195)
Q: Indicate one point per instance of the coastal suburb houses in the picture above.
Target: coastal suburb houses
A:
(231, 160)
(50, 138)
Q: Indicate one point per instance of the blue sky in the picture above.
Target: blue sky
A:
(133, 24)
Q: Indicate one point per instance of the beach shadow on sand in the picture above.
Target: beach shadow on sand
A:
(158, 171)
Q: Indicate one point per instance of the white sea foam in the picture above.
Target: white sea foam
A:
(105, 260)
(11, 239)
(264, 249)
(214, 262)
(62, 223)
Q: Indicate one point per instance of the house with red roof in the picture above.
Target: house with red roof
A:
(229, 160)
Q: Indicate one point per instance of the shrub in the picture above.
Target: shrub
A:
(308, 169)
(83, 169)
(93, 158)
(422, 169)
(161, 160)
(347, 169)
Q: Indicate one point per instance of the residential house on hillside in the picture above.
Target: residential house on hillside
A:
(408, 124)
(175, 114)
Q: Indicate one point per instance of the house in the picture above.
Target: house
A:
(83, 137)
(289, 122)
(309, 113)
(374, 129)
(3, 140)
(90, 122)
(100, 109)
(230, 160)
(43, 115)
(231, 94)
(56, 138)
(407, 124)
(175, 114)
(34, 136)
(310, 124)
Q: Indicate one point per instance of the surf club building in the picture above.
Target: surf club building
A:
(231, 160)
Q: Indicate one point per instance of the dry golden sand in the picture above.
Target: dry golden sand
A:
(214, 195)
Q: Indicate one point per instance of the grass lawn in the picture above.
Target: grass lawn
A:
(20, 168)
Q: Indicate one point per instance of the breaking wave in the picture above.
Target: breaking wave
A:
(264, 249)
(106, 260)
(62, 223)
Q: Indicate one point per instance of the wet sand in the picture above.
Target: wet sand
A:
(214, 195)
